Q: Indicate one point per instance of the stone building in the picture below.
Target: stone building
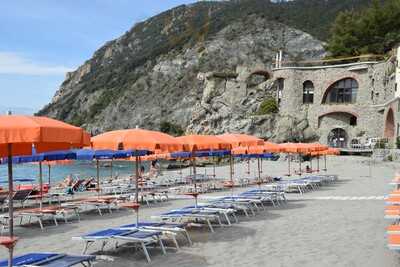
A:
(344, 104)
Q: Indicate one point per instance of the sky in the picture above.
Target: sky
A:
(41, 40)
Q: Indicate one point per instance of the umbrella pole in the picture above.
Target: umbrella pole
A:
(325, 163)
(49, 168)
(41, 184)
(248, 166)
(299, 164)
(311, 162)
(111, 169)
(317, 163)
(141, 180)
(289, 158)
(231, 173)
(259, 172)
(215, 162)
(137, 179)
(261, 166)
(10, 203)
(194, 176)
(181, 169)
(98, 177)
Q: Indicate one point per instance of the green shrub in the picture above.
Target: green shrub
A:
(268, 106)
(381, 144)
(398, 142)
(171, 128)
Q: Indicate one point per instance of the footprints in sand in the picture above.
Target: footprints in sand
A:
(347, 198)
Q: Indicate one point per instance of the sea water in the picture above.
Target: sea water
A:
(78, 169)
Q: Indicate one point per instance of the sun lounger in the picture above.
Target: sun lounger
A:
(255, 201)
(394, 242)
(99, 203)
(276, 195)
(49, 260)
(224, 212)
(40, 214)
(163, 226)
(393, 229)
(22, 196)
(138, 236)
(193, 216)
(238, 203)
(393, 201)
(392, 212)
(169, 230)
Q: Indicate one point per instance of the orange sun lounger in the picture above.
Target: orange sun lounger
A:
(393, 200)
(394, 242)
(393, 229)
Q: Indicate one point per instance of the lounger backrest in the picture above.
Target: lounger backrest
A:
(77, 184)
(22, 194)
(3, 196)
(29, 259)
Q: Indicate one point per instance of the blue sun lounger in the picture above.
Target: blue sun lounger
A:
(166, 228)
(49, 260)
(254, 201)
(225, 212)
(138, 236)
(194, 216)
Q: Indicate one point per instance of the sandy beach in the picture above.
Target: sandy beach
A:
(339, 225)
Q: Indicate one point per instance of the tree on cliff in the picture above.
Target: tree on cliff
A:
(375, 29)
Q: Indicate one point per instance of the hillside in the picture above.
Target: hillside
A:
(160, 70)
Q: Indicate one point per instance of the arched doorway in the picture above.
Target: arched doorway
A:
(389, 124)
(337, 138)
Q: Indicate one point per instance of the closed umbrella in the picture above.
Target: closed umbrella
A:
(18, 134)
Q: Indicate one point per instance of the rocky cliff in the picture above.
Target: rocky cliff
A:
(202, 68)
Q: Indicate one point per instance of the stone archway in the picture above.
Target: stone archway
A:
(389, 125)
(338, 138)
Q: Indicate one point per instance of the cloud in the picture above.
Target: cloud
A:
(13, 63)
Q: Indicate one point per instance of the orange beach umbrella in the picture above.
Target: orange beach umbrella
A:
(19, 134)
(241, 140)
(203, 142)
(137, 139)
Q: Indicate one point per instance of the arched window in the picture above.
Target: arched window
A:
(308, 92)
(343, 91)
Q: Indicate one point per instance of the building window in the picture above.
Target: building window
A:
(341, 92)
(308, 92)
(281, 85)
(353, 121)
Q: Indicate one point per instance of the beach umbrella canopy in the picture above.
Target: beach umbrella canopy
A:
(137, 139)
(43, 133)
(240, 140)
(296, 148)
(18, 134)
(203, 142)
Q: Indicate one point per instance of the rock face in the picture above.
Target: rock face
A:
(204, 68)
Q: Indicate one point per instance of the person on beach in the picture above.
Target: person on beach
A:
(67, 184)
(308, 169)
(154, 169)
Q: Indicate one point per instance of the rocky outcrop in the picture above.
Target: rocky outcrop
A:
(204, 67)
